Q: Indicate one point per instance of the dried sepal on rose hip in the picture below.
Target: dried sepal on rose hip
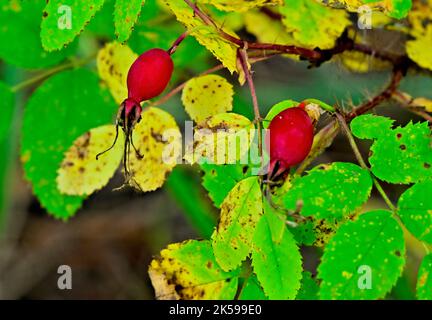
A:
(289, 138)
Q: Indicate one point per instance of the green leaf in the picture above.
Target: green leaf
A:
(126, 14)
(63, 20)
(275, 222)
(21, 20)
(240, 212)
(424, 279)
(399, 9)
(330, 191)
(305, 233)
(415, 210)
(7, 109)
(400, 155)
(60, 110)
(101, 25)
(219, 180)
(317, 232)
(278, 265)
(370, 126)
(188, 270)
(252, 290)
(309, 288)
(369, 248)
(313, 24)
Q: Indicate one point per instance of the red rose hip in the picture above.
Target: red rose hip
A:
(290, 141)
(149, 75)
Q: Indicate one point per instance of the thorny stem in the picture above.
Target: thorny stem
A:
(409, 103)
(315, 56)
(386, 94)
(361, 161)
(205, 18)
(243, 57)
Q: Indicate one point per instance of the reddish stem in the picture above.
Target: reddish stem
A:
(386, 94)
(243, 57)
(176, 43)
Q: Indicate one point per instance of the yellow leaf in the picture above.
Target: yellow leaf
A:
(359, 62)
(351, 5)
(240, 5)
(113, 63)
(313, 24)
(207, 96)
(80, 173)
(419, 17)
(409, 101)
(206, 35)
(189, 271)
(221, 139)
(269, 30)
(423, 102)
(420, 49)
(158, 139)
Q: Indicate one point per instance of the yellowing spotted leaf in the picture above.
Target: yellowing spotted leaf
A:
(80, 173)
(158, 139)
(221, 139)
(313, 24)
(206, 35)
(269, 30)
(207, 96)
(113, 63)
(188, 270)
(158, 142)
(240, 5)
(420, 49)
